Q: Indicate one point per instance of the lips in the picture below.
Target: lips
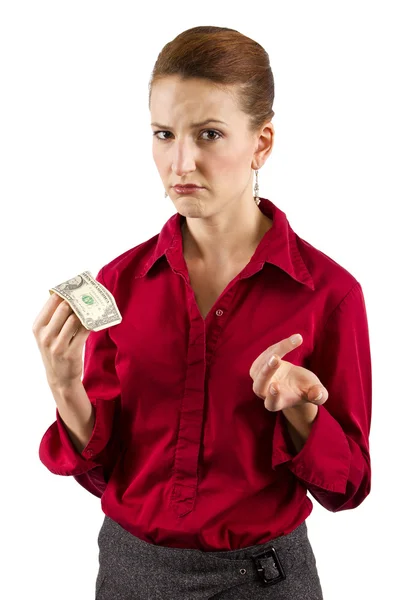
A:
(187, 187)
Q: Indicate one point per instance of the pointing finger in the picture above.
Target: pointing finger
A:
(288, 344)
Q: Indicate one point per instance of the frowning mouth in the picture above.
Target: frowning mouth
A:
(185, 189)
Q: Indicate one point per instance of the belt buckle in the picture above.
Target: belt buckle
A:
(271, 553)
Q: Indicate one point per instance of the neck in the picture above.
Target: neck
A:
(224, 238)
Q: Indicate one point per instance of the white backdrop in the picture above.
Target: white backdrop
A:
(79, 187)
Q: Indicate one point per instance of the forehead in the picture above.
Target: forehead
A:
(176, 98)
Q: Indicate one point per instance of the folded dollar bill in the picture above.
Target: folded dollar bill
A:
(93, 303)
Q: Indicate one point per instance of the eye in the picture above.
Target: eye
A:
(212, 131)
(155, 133)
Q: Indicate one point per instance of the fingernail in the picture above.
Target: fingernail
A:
(318, 397)
(272, 361)
(273, 391)
(295, 338)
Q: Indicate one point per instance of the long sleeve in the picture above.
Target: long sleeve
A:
(100, 380)
(334, 463)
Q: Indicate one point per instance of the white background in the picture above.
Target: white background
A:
(79, 187)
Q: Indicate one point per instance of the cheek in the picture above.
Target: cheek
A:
(159, 159)
(224, 158)
(230, 166)
(154, 153)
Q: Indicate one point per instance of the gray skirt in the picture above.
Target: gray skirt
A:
(130, 568)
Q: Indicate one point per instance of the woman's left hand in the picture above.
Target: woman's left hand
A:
(295, 385)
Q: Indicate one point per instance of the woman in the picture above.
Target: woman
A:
(202, 468)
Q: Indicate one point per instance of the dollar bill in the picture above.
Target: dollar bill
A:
(92, 303)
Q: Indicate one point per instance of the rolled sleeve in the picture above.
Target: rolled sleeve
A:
(334, 462)
(100, 380)
(324, 460)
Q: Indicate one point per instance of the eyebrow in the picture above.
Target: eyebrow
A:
(192, 124)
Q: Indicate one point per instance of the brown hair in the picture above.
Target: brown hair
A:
(225, 57)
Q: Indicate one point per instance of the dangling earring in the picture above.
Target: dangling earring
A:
(165, 195)
(256, 190)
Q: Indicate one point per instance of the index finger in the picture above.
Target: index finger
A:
(287, 345)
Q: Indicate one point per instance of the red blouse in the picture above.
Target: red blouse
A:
(183, 453)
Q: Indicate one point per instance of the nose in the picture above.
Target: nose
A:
(183, 159)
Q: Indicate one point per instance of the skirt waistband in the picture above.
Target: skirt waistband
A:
(269, 562)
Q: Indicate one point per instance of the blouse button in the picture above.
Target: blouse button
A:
(219, 312)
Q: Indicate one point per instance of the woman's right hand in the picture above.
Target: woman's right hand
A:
(61, 350)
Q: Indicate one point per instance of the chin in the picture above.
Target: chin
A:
(188, 208)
